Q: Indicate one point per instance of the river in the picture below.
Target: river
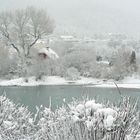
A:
(41, 95)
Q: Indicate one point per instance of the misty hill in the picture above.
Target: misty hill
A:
(84, 17)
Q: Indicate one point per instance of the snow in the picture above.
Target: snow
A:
(91, 112)
(111, 85)
(89, 124)
(134, 79)
(50, 80)
(66, 37)
(80, 108)
(97, 122)
(75, 118)
(108, 122)
(89, 103)
(42, 47)
(103, 62)
(92, 105)
(128, 82)
(7, 123)
(47, 80)
(106, 112)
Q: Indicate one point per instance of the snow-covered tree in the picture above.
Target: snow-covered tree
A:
(8, 62)
(81, 58)
(21, 29)
(72, 74)
(122, 64)
(4, 61)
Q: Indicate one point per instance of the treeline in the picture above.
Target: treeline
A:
(84, 59)
(75, 60)
(20, 30)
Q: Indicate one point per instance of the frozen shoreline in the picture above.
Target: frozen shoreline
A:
(128, 82)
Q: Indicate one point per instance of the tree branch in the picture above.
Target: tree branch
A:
(34, 41)
(30, 46)
(13, 45)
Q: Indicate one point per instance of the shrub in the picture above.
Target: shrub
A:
(5, 61)
(121, 64)
(88, 120)
(79, 120)
(15, 121)
(72, 74)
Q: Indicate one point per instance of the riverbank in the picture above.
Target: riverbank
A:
(128, 82)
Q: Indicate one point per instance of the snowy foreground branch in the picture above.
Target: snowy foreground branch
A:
(80, 120)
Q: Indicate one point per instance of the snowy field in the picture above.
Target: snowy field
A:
(128, 82)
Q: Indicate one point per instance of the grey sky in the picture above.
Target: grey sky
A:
(88, 16)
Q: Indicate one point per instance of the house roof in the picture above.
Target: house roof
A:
(49, 52)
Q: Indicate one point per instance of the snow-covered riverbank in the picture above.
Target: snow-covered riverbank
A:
(129, 82)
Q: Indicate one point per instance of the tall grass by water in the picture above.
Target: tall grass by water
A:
(79, 120)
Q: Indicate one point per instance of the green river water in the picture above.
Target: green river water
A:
(41, 95)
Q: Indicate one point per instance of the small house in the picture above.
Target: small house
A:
(47, 53)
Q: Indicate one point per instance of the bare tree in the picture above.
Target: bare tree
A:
(22, 28)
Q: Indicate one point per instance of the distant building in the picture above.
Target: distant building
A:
(103, 62)
(69, 38)
(47, 53)
(44, 51)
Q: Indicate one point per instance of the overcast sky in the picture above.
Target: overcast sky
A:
(88, 16)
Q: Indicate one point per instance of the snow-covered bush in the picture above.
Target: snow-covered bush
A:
(4, 61)
(86, 120)
(72, 74)
(49, 67)
(79, 120)
(16, 122)
(121, 64)
(8, 62)
(138, 63)
(81, 58)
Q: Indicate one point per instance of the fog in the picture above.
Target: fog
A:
(87, 17)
